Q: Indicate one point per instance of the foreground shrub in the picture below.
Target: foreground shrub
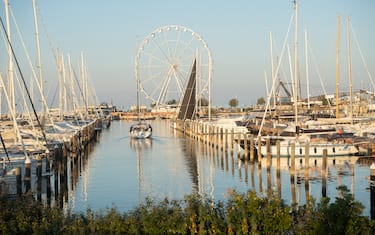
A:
(244, 213)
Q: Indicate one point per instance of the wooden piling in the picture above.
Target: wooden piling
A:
(226, 140)
(268, 163)
(324, 174)
(205, 134)
(27, 178)
(259, 151)
(278, 163)
(252, 147)
(246, 149)
(292, 173)
(292, 158)
(372, 172)
(221, 142)
(372, 191)
(307, 180)
(18, 180)
(238, 146)
(231, 141)
(217, 137)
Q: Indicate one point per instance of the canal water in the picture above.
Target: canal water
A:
(121, 172)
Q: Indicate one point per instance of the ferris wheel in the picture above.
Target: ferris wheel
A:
(164, 61)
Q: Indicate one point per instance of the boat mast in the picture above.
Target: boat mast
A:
(138, 100)
(296, 62)
(337, 65)
(38, 49)
(10, 65)
(307, 72)
(349, 72)
(272, 72)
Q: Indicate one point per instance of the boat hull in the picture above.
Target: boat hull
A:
(314, 149)
(140, 131)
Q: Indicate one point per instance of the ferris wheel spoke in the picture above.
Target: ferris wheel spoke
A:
(167, 58)
(179, 82)
(164, 87)
(157, 58)
(177, 43)
(167, 42)
(186, 48)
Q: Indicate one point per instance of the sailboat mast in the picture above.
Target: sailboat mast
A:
(349, 71)
(337, 65)
(296, 62)
(38, 47)
(10, 65)
(138, 101)
(307, 71)
(272, 72)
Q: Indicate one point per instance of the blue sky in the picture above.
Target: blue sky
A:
(237, 33)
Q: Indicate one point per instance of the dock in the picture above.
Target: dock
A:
(20, 174)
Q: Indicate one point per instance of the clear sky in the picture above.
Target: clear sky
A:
(237, 33)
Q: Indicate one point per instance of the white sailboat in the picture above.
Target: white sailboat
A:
(140, 130)
(304, 141)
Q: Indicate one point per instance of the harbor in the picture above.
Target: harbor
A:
(111, 115)
(173, 165)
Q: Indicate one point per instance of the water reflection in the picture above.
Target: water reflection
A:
(122, 172)
(140, 145)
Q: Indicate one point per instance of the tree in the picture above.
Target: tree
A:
(203, 101)
(233, 102)
(261, 101)
(323, 99)
(172, 101)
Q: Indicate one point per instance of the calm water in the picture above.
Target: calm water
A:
(122, 172)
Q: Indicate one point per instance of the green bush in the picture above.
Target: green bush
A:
(241, 213)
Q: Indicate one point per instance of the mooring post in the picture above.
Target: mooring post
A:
(292, 173)
(204, 133)
(268, 154)
(252, 148)
(226, 139)
(246, 148)
(217, 137)
(324, 174)
(221, 138)
(372, 190)
(259, 151)
(27, 178)
(307, 168)
(231, 141)
(18, 180)
(278, 164)
(292, 158)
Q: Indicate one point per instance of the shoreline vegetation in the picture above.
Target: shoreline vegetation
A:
(241, 213)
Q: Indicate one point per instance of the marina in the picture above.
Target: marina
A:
(301, 143)
(173, 165)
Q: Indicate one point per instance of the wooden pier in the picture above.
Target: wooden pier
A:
(227, 140)
(22, 175)
(222, 143)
